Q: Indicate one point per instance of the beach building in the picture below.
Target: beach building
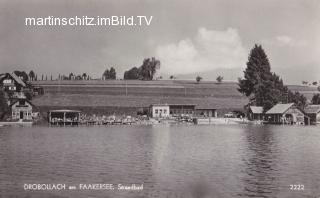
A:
(166, 110)
(313, 111)
(160, 110)
(64, 117)
(286, 114)
(182, 109)
(21, 109)
(255, 113)
(206, 111)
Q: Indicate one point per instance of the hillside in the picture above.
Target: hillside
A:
(110, 96)
(138, 94)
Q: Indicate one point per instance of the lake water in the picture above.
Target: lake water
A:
(170, 161)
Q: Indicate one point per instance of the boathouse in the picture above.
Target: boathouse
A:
(313, 111)
(21, 109)
(160, 110)
(255, 113)
(64, 117)
(286, 114)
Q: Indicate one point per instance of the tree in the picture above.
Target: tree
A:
(109, 74)
(172, 77)
(28, 95)
(315, 99)
(257, 82)
(113, 74)
(305, 82)
(263, 87)
(22, 74)
(149, 68)
(315, 83)
(299, 99)
(198, 79)
(32, 75)
(71, 76)
(132, 74)
(219, 79)
(84, 76)
(146, 71)
(3, 104)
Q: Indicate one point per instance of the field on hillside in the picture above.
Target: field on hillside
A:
(307, 91)
(143, 88)
(137, 94)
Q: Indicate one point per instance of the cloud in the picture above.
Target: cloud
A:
(208, 50)
(284, 41)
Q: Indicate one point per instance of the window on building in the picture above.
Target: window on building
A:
(156, 111)
(7, 81)
(22, 102)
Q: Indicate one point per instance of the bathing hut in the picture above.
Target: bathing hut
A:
(64, 117)
(287, 114)
(255, 113)
(313, 111)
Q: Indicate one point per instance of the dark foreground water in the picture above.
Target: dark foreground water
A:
(171, 161)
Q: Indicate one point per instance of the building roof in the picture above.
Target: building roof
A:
(14, 101)
(64, 110)
(312, 109)
(17, 79)
(153, 105)
(179, 104)
(256, 109)
(279, 108)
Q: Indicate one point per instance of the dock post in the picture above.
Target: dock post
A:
(64, 119)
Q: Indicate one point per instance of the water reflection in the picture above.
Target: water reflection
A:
(171, 161)
(260, 163)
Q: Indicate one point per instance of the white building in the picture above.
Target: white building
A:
(21, 110)
(160, 110)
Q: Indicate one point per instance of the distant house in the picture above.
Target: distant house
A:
(21, 109)
(286, 114)
(12, 85)
(255, 113)
(11, 82)
(313, 111)
(160, 110)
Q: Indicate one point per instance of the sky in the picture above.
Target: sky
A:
(188, 37)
